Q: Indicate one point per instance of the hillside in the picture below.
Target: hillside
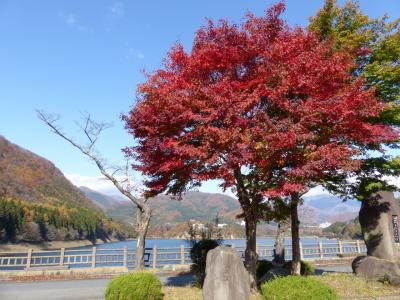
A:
(103, 201)
(204, 207)
(330, 208)
(344, 230)
(194, 205)
(170, 216)
(25, 175)
(37, 203)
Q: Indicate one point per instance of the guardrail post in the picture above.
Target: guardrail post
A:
(340, 247)
(154, 256)
(125, 260)
(182, 255)
(321, 250)
(94, 257)
(301, 251)
(358, 246)
(62, 254)
(29, 258)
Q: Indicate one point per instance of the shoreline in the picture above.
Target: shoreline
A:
(54, 245)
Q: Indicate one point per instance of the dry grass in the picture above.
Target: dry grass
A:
(346, 285)
(181, 293)
(256, 297)
(190, 293)
(351, 286)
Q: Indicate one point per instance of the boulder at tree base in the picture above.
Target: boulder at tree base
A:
(378, 217)
(226, 276)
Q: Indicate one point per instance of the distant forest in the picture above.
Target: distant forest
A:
(23, 221)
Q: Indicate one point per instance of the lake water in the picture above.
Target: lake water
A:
(169, 252)
(172, 243)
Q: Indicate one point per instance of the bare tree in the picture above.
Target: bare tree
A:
(119, 176)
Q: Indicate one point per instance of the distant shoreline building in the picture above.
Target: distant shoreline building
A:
(324, 225)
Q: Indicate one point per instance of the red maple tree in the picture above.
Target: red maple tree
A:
(267, 109)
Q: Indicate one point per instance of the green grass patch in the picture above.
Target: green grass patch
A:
(297, 287)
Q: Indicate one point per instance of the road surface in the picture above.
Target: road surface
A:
(54, 290)
(92, 289)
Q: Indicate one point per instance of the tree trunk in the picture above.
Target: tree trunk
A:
(295, 234)
(250, 255)
(250, 218)
(279, 254)
(142, 227)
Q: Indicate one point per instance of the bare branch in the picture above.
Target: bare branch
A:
(128, 183)
(92, 131)
(85, 129)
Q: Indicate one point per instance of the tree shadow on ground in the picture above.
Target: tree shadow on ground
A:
(334, 269)
(181, 279)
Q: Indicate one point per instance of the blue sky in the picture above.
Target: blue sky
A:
(73, 56)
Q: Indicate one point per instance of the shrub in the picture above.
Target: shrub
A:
(306, 268)
(297, 287)
(263, 266)
(198, 254)
(134, 286)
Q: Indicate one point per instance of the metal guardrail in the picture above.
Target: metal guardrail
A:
(157, 257)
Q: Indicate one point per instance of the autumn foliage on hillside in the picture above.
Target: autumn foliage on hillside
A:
(29, 222)
(25, 175)
(37, 203)
(194, 205)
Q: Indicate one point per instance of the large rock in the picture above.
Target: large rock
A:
(226, 276)
(379, 219)
(375, 268)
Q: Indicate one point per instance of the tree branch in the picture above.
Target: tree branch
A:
(92, 131)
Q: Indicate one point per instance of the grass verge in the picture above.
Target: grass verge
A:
(192, 293)
(351, 286)
(346, 285)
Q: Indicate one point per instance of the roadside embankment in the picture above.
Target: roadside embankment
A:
(61, 274)
(54, 245)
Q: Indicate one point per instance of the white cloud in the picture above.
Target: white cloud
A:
(72, 21)
(101, 184)
(137, 54)
(96, 183)
(393, 180)
(117, 10)
(213, 186)
(317, 191)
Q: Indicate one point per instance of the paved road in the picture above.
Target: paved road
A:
(54, 290)
(92, 289)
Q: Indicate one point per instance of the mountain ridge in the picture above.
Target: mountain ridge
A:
(26, 175)
(202, 206)
(194, 205)
(38, 203)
